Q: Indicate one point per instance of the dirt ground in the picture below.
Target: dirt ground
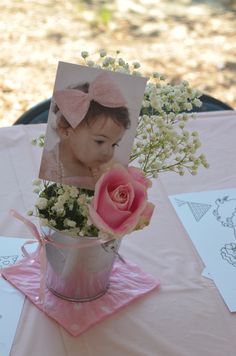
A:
(186, 39)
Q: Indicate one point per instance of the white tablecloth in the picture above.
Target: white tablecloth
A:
(186, 316)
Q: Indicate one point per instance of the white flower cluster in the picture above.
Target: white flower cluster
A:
(116, 64)
(63, 207)
(162, 142)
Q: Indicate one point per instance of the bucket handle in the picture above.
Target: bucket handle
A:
(109, 246)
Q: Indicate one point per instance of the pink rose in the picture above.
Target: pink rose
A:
(120, 204)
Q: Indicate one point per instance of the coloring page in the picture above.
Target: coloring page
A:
(210, 221)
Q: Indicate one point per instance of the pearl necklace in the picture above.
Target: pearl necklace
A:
(60, 167)
(94, 172)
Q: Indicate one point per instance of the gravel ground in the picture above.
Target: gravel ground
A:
(186, 39)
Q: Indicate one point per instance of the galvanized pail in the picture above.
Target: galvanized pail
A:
(78, 268)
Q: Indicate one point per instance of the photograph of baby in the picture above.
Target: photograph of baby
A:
(91, 124)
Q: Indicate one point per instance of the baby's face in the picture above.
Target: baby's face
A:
(94, 143)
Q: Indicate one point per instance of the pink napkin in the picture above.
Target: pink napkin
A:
(127, 283)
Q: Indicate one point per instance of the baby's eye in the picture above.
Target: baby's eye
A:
(115, 145)
(99, 142)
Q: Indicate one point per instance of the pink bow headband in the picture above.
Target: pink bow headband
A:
(74, 103)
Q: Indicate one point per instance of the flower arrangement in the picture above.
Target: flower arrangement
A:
(119, 204)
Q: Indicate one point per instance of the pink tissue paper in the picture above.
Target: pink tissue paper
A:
(127, 283)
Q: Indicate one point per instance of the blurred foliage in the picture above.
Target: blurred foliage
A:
(184, 39)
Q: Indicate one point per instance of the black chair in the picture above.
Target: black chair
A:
(209, 103)
(39, 113)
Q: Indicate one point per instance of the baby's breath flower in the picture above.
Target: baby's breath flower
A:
(103, 53)
(52, 222)
(69, 223)
(111, 60)
(156, 75)
(39, 141)
(189, 106)
(44, 221)
(162, 77)
(197, 103)
(106, 62)
(136, 65)
(84, 54)
(73, 192)
(121, 62)
(126, 66)
(37, 182)
(82, 199)
(41, 203)
(61, 200)
(90, 63)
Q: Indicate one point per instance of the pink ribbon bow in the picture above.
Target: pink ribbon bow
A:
(74, 103)
(40, 253)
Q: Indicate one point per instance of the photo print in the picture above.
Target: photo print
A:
(92, 123)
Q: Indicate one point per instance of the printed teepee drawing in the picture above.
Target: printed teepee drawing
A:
(197, 209)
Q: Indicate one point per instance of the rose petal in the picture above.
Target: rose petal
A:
(108, 181)
(111, 214)
(123, 196)
(125, 228)
(139, 176)
(146, 216)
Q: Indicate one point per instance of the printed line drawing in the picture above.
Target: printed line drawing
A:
(228, 253)
(197, 209)
(225, 213)
(6, 261)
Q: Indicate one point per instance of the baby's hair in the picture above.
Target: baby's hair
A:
(120, 115)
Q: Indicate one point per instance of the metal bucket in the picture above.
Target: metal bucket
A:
(80, 269)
